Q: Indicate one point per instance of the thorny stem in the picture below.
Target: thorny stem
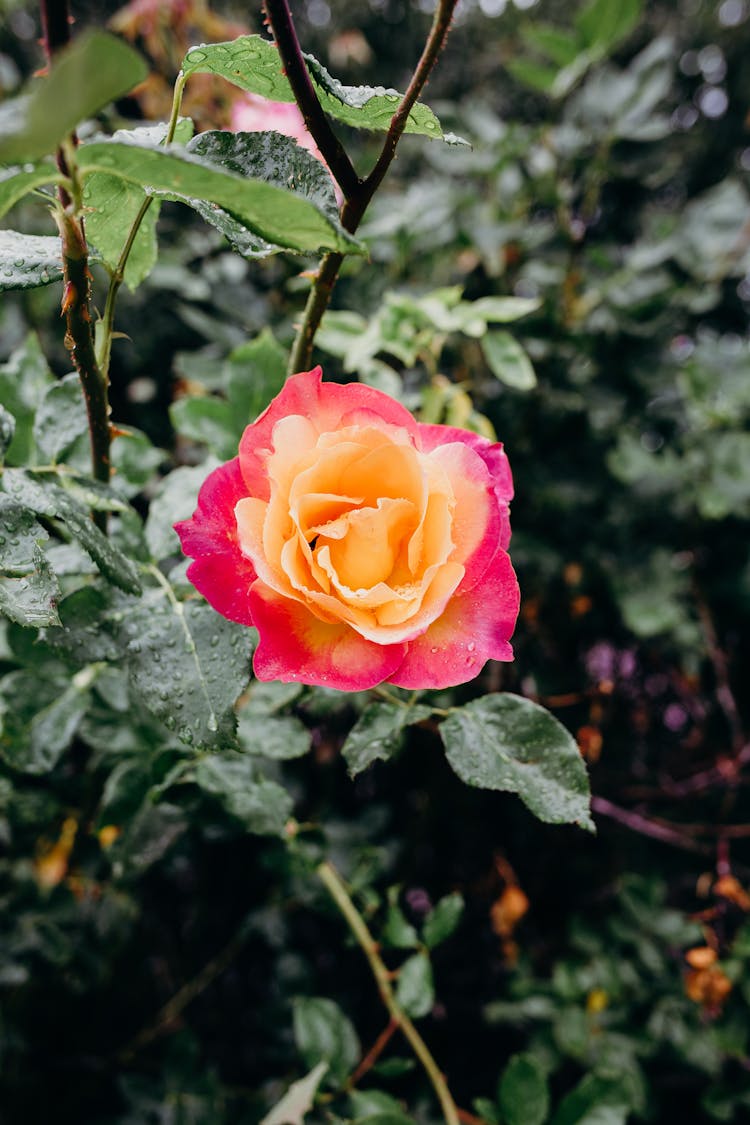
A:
(359, 194)
(335, 886)
(106, 327)
(76, 302)
(295, 67)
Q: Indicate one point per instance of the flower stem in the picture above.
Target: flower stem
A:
(335, 886)
(358, 193)
(106, 325)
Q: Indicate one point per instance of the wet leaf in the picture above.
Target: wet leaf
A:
(508, 743)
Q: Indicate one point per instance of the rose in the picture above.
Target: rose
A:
(363, 546)
(253, 113)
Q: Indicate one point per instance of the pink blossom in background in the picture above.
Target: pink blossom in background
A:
(364, 546)
(254, 114)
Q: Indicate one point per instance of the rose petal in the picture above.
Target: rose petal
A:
(328, 406)
(221, 572)
(474, 628)
(493, 455)
(297, 646)
(477, 524)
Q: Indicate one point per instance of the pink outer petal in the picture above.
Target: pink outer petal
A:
(474, 628)
(220, 571)
(296, 646)
(328, 406)
(492, 454)
(478, 523)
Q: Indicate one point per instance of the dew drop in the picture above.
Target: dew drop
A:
(434, 650)
(471, 646)
(211, 723)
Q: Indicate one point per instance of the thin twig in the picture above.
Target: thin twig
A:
(167, 1015)
(647, 826)
(295, 68)
(335, 886)
(374, 1053)
(357, 199)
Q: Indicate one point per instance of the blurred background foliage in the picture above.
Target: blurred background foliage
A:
(159, 964)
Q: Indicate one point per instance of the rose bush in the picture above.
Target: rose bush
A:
(365, 547)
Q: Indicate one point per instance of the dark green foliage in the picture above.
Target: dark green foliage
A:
(576, 283)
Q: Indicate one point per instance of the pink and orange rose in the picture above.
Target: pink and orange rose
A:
(363, 546)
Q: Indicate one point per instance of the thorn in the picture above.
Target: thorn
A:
(70, 296)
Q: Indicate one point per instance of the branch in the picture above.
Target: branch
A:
(76, 302)
(333, 883)
(646, 826)
(80, 342)
(166, 1017)
(358, 200)
(295, 68)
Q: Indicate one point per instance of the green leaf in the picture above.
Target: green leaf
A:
(253, 64)
(28, 589)
(15, 183)
(272, 158)
(273, 736)
(539, 76)
(188, 665)
(41, 738)
(377, 734)
(134, 461)
(595, 1101)
(256, 374)
(45, 498)
(507, 361)
(61, 418)
(522, 1094)
(113, 204)
(298, 1099)
(396, 931)
(324, 1034)
(147, 837)
(415, 990)
(442, 920)
(366, 1104)
(278, 216)
(501, 310)
(604, 24)
(175, 500)
(95, 70)
(7, 431)
(209, 420)
(508, 743)
(385, 1118)
(559, 45)
(24, 380)
(28, 260)
(262, 806)
(87, 617)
